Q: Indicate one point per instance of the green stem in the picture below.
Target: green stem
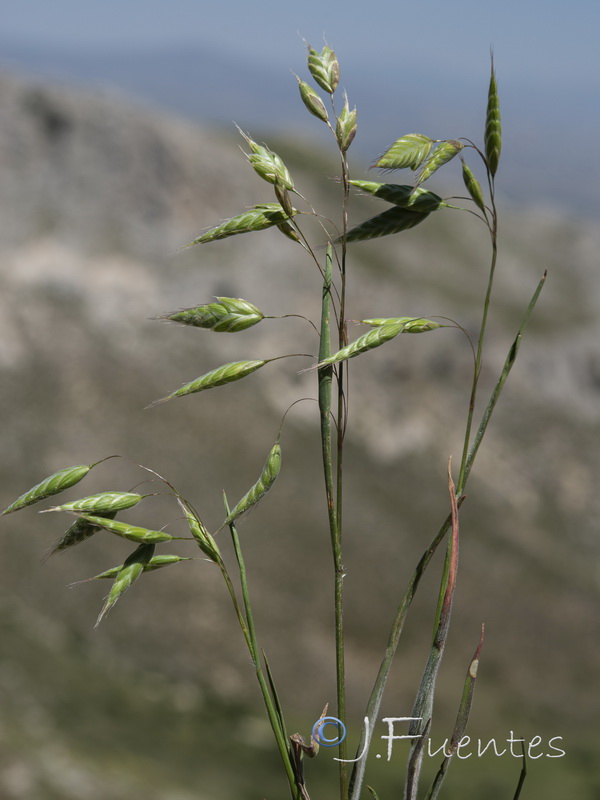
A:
(333, 510)
(479, 354)
(251, 639)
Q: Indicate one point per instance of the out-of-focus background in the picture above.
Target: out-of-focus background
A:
(117, 146)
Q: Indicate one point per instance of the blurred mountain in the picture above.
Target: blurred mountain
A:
(96, 195)
(394, 95)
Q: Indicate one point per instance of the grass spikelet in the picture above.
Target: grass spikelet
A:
(411, 324)
(129, 572)
(79, 531)
(227, 373)
(260, 488)
(493, 125)
(383, 330)
(394, 220)
(104, 502)
(325, 68)
(312, 101)
(473, 186)
(408, 151)
(205, 541)
(227, 315)
(156, 562)
(267, 164)
(53, 484)
(257, 218)
(404, 196)
(442, 154)
(127, 531)
(345, 129)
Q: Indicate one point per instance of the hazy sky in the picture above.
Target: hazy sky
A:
(541, 40)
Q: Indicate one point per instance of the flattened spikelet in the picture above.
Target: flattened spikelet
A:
(205, 541)
(101, 503)
(261, 487)
(257, 218)
(408, 151)
(391, 221)
(493, 126)
(131, 532)
(404, 196)
(384, 329)
(325, 68)
(411, 324)
(369, 340)
(227, 315)
(53, 484)
(473, 186)
(227, 373)
(79, 531)
(156, 562)
(129, 572)
(312, 101)
(267, 164)
(345, 129)
(443, 153)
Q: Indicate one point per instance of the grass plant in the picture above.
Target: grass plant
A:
(326, 371)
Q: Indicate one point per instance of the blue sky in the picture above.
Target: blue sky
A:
(541, 40)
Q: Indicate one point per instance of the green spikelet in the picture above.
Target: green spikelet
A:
(156, 562)
(403, 196)
(473, 186)
(53, 484)
(345, 129)
(267, 164)
(443, 153)
(257, 218)
(227, 315)
(131, 532)
(368, 341)
(411, 324)
(205, 541)
(227, 373)
(312, 101)
(493, 126)
(79, 531)
(408, 151)
(105, 502)
(260, 488)
(392, 221)
(129, 572)
(325, 68)
(383, 330)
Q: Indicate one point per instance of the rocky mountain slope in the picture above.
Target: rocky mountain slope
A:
(96, 195)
